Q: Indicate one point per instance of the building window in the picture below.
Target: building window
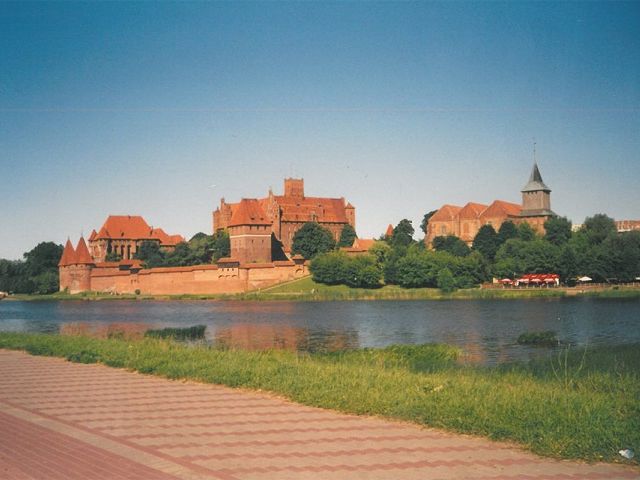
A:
(443, 230)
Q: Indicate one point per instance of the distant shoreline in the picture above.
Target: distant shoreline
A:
(308, 290)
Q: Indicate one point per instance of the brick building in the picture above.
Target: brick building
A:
(464, 222)
(123, 235)
(287, 213)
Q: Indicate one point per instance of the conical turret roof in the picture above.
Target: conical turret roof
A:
(535, 181)
(68, 255)
(83, 257)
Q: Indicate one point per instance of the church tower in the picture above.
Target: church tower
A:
(536, 201)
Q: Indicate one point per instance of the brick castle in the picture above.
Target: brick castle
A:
(260, 231)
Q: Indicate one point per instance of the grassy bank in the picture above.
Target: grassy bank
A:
(574, 406)
(306, 289)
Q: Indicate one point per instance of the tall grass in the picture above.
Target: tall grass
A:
(581, 406)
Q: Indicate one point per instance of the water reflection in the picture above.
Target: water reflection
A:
(252, 336)
(487, 330)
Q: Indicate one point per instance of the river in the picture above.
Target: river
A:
(486, 329)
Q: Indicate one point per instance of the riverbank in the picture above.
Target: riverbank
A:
(306, 289)
(578, 405)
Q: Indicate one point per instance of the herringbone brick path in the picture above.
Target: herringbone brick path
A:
(60, 420)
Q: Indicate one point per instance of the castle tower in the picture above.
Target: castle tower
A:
(294, 187)
(250, 233)
(536, 201)
(75, 268)
(350, 212)
(67, 259)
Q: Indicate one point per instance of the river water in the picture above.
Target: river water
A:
(486, 329)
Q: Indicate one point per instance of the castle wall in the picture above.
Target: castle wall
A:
(251, 243)
(195, 280)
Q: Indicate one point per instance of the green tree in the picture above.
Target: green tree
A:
(347, 236)
(311, 240)
(402, 233)
(526, 232)
(381, 251)
(507, 231)
(363, 271)
(451, 244)
(486, 242)
(445, 281)
(557, 230)
(44, 257)
(113, 257)
(329, 268)
(598, 227)
(424, 225)
(150, 254)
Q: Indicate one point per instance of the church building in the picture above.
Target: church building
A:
(464, 222)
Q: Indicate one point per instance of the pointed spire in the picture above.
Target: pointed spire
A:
(535, 181)
(68, 255)
(389, 232)
(83, 257)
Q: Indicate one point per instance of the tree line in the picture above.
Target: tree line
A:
(596, 250)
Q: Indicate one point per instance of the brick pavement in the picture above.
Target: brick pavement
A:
(60, 420)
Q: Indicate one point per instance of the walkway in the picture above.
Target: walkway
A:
(60, 420)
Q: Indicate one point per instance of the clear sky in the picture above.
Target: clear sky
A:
(160, 109)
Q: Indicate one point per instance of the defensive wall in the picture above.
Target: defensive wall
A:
(197, 280)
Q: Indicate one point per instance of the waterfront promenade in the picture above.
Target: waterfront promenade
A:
(60, 420)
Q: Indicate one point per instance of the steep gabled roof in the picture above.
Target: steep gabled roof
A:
(471, 211)
(535, 183)
(500, 208)
(249, 212)
(93, 235)
(133, 227)
(83, 257)
(307, 209)
(68, 255)
(446, 213)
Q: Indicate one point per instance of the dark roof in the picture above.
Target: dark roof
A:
(535, 181)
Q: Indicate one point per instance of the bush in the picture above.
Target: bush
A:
(189, 333)
(446, 283)
(545, 339)
(336, 268)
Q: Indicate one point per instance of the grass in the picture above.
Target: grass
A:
(305, 289)
(577, 405)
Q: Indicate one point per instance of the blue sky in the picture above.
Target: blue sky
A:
(160, 109)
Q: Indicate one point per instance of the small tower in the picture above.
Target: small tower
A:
(350, 213)
(250, 233)
(294, 187)
(536, 196)
(536, 201)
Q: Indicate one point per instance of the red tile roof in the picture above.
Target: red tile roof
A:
(308, 209)
(93, 235)
(471, 210)
(68, 255)
(133, 227)
(500, 208)
(249, 212)
(363, 243)
(83, 257)
(446, 213)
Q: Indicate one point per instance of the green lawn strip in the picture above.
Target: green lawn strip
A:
(573, 406)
